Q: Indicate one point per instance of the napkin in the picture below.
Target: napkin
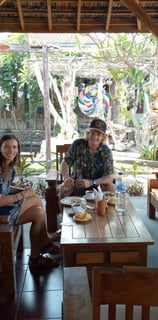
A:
(98, 193)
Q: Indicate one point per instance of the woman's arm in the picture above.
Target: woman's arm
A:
(12, 198)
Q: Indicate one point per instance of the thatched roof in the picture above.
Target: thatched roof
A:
(83, 16)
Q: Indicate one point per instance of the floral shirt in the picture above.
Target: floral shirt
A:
(87, 166)
(5, 186)
(13, 209)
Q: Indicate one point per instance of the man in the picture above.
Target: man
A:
(90, 162)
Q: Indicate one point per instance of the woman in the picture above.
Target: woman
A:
(24, 206)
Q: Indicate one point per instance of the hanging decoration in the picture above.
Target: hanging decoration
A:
(4, 47)
(88, 100)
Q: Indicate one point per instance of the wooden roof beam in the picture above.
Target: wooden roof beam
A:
(21, 17)
(79, 15)
(133, 6)
(109, 15)
(139, 24)
(49, 10)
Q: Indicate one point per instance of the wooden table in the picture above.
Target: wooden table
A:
(111, 240)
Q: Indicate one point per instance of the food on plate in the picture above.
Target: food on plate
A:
(111, 201)
(84, 216)
(69, 201)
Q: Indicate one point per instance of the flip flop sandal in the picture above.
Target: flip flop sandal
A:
(43, 262)
(55, 235)
(51, 249)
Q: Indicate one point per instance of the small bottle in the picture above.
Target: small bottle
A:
(120, 185)
(120, 192)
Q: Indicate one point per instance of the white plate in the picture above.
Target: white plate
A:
(82, 220)
(68, 201)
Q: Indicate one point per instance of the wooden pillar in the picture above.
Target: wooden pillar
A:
(47, 117)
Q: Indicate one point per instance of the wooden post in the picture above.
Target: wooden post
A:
(47, 118)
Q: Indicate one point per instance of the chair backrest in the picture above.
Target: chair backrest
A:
(127, 293)
(60, 153)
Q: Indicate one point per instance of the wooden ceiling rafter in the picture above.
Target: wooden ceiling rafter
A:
(109, 15)
(139, 25)
(82, 16)
(141, 14)
(49, 10)
(21, 17)
(79, 15)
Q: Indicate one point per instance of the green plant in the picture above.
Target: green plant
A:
(22, 170)
(151, 152)
(133, 169)
(133, 187)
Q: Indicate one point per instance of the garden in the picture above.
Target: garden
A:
(86, 78)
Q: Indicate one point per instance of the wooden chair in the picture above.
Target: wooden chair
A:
(60, 153)
(54, 177)
(128, 293)
(152, 191)
(11, 242)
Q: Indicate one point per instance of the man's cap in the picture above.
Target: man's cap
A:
(98, 124)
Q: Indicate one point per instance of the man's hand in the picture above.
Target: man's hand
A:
(68, 183)
(82, 183)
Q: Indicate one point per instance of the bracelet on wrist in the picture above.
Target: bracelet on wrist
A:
(22, 195)
(15, 198)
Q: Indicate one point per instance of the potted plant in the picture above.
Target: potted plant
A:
(22, 171)
(133, 186)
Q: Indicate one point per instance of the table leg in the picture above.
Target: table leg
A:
(52, 208)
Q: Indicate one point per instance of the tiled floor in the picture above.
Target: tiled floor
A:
(39, 295)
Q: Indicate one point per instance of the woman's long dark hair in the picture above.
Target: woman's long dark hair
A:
(16, 160)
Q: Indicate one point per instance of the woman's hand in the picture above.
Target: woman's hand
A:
(29, 192)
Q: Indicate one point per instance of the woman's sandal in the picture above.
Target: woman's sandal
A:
(51, 248)
(43, 262)
(55, 235)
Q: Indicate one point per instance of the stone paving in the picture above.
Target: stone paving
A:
(132, 155)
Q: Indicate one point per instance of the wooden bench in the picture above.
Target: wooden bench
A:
(11, 242)
(152, 195)
(76, 294)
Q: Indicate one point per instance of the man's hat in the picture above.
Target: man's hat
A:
(98, 124)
